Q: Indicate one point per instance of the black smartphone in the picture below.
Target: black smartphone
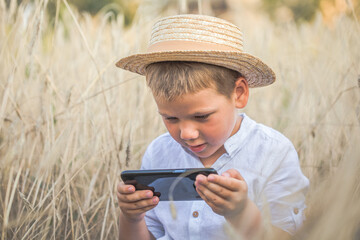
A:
(167, 184)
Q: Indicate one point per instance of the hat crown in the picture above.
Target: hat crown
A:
(200, 38)
(207, 30)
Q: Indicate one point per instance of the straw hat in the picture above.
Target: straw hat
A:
(200, 38)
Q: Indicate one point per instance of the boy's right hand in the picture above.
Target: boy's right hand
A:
(134, 204)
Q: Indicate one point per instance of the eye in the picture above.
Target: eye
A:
(171, 119)
(202, 117)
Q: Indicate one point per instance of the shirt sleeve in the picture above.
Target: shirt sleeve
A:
(152, 222)
(285, 190)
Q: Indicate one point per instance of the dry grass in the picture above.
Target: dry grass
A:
(70, 122)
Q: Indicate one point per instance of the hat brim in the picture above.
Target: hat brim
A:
(257, 73)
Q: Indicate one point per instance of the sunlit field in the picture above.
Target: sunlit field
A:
(70, 121)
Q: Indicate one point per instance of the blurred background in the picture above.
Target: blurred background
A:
(70, 121)
(277, 10)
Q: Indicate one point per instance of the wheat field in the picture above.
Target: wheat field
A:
(70, 121)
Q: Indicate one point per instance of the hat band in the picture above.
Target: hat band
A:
(176, 45)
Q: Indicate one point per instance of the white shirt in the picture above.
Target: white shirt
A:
(265, 158)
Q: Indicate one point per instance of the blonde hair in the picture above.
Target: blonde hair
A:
(169, 80)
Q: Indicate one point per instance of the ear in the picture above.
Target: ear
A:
(241, 92)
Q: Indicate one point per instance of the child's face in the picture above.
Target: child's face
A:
(201, 122)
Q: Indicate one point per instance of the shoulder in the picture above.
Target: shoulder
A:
(266, 148)
(265, 135)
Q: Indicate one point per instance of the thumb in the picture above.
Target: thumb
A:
(233, 173)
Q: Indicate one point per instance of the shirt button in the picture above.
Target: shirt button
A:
(195, 214)
(296, 210)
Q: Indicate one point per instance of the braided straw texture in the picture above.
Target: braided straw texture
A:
(197, 28)
(213, 33)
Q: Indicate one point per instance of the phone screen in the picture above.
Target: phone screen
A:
(180, 188)
(172, 184)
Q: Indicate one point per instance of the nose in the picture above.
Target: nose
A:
(188, 131)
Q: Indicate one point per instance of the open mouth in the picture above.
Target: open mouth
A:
(197, 148)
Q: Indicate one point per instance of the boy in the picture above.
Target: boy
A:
(199, 77)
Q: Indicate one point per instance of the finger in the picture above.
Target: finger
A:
(128, 206)
(202, 195)
(211, 196)
(125, 188)
(217, 189)
(136, 196)
(229, 183)
(202, 179)
(216, 204)
(213, 185)
(202, 182)
(234, 174)
(140, 210)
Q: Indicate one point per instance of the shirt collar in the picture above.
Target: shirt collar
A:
(234, 143)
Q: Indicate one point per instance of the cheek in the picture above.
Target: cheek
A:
(214, 132)
(173, 130)
(219, 131)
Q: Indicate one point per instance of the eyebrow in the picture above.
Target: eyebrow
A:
(163, 114)
(206, 112)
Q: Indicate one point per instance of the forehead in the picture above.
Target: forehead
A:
(201, 101)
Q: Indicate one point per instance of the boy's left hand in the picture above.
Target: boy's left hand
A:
(226, 194)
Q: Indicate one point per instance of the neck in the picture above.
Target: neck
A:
(208, 162)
